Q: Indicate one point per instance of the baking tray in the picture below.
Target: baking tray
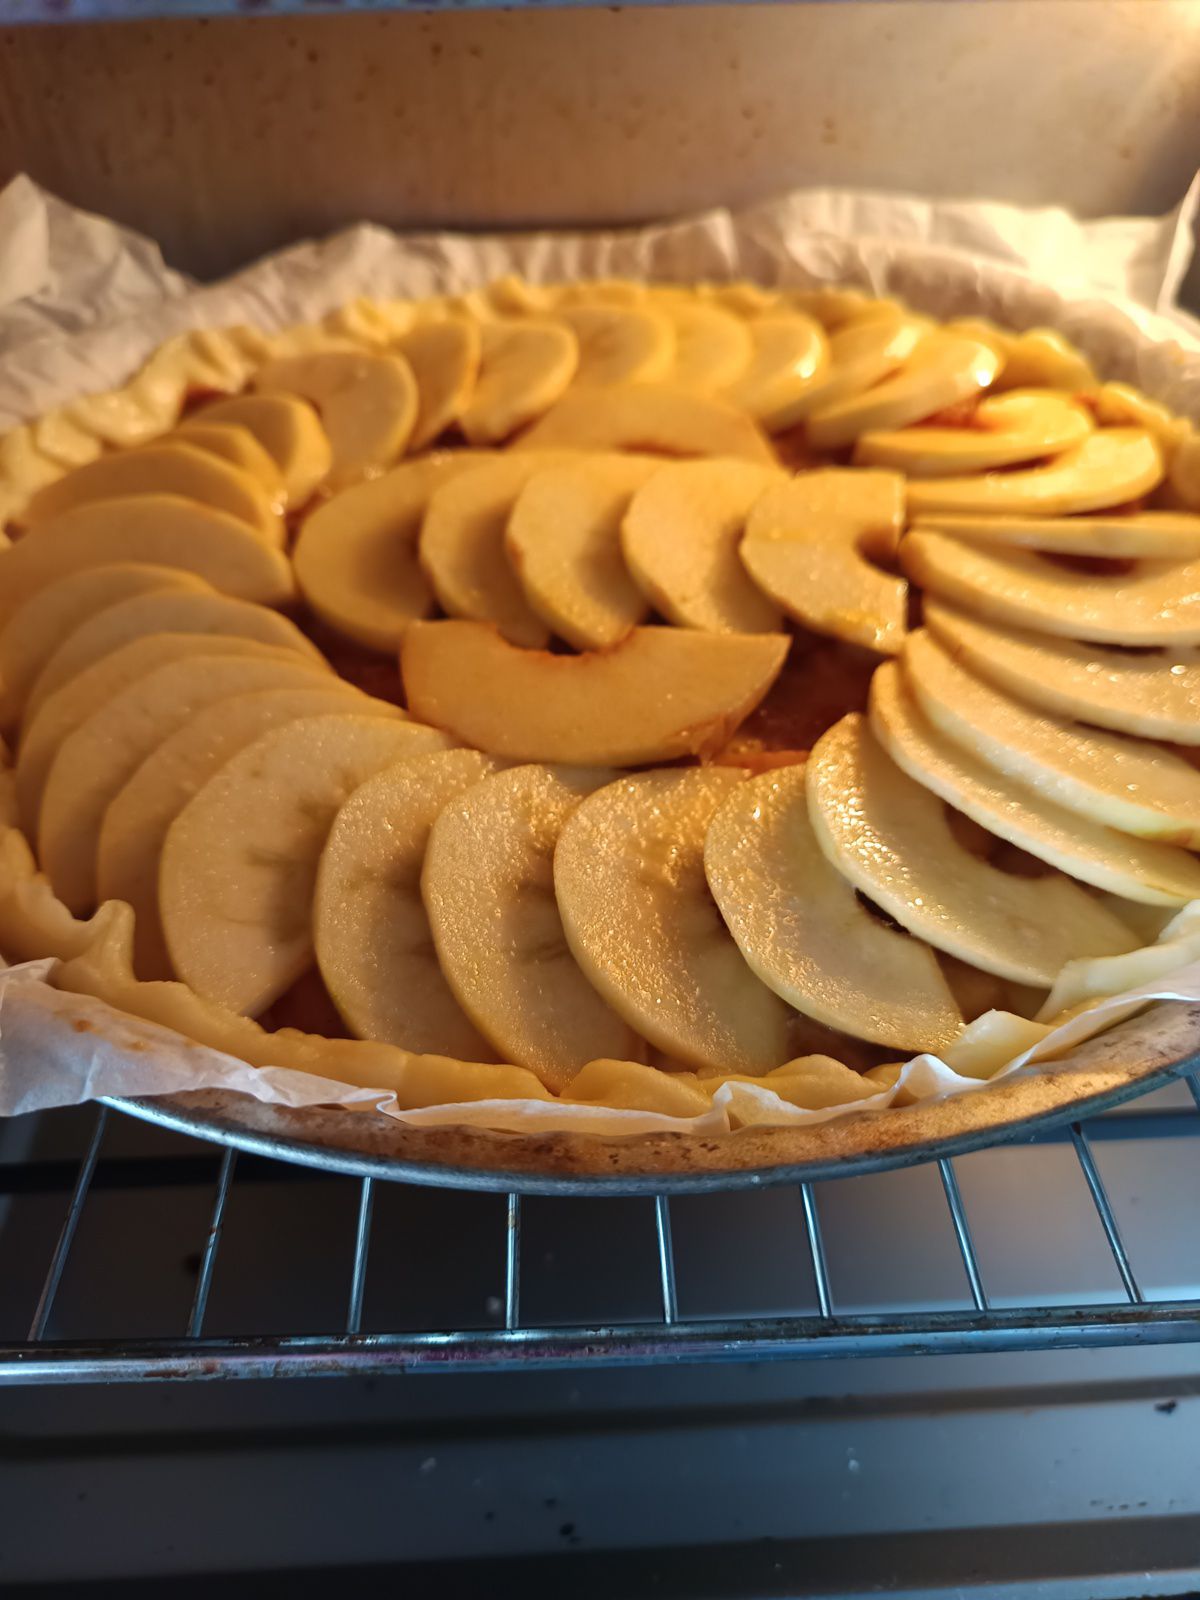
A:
(1128, 1060)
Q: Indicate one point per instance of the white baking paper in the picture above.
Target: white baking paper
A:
(83, 303)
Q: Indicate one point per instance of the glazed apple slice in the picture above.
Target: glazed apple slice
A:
(789, 355)
(1153, 694)
(891, 838)
(563, 541)
(651, 419)
(1137, 869)
(444, 357)
(619, 344)
(1109, 467)
(1125, 536)
(1184, 475)
(1119, 405)
(525, 367)
(862, 353)
(1042, 358)
(95, 760)
(236, 445)
(1156, 605)
(160, 469)
(370, 929)
(136, 821)
(808, 544)
(289, 430)
(36, 628)
(1006, 430)
(1138, 787)
(660, 693)
(713, 348)
(367, 402)
(462, 552)
(76, 701)
(488, 889)
(356, 556)
(805, 933)
(240, 860)
(942, 371)
(680, 540)
(640, 921)
(159, 530)
(164, 611)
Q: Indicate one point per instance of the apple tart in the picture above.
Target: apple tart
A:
(601, 691)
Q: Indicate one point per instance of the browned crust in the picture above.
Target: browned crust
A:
(1162, 1041)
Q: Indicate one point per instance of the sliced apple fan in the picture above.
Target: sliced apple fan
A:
(586, 521)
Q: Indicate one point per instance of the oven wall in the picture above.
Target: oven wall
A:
(224, 138)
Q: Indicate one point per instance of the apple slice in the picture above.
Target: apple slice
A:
(713, 348)
(808, 544)
(356, 556)
(563, 541)
(230, 442)
(488, 888)
(24, 470)
(1143, 535)
(526, 365)
(1156, 605)
(804, 932)
(660, 693)
(597, 291)
(367, 402)
(289, 430)
(96, 760)
(1119, 405)
(1043, 359)
(371, 932)
(640, 921)
(34, 631)
(157, 469)
(1184, 477)
(619, 344)
(461, 546)
(862, 353)
(76, 701)
(164, 611)
(892, 839)
(743, 299)
(789, 355)
(680, 541)
(1125, 783)
(651, 418)
(836, 307)
(1006, 429)
(445, 358)
(1137, 869)
(941, 371)
(138, 817)
(1155, 695)
(240, 860)
(1110, 466)
(160, 530)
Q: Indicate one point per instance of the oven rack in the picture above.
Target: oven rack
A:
(1129, 1315)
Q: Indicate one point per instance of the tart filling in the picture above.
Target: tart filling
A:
(601, 691)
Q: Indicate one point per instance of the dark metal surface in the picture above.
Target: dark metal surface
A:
(662, 1331)
(807, 1338)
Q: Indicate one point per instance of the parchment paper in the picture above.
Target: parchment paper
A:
(83, 303)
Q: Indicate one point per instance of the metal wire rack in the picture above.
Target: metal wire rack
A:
(505, 1338)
